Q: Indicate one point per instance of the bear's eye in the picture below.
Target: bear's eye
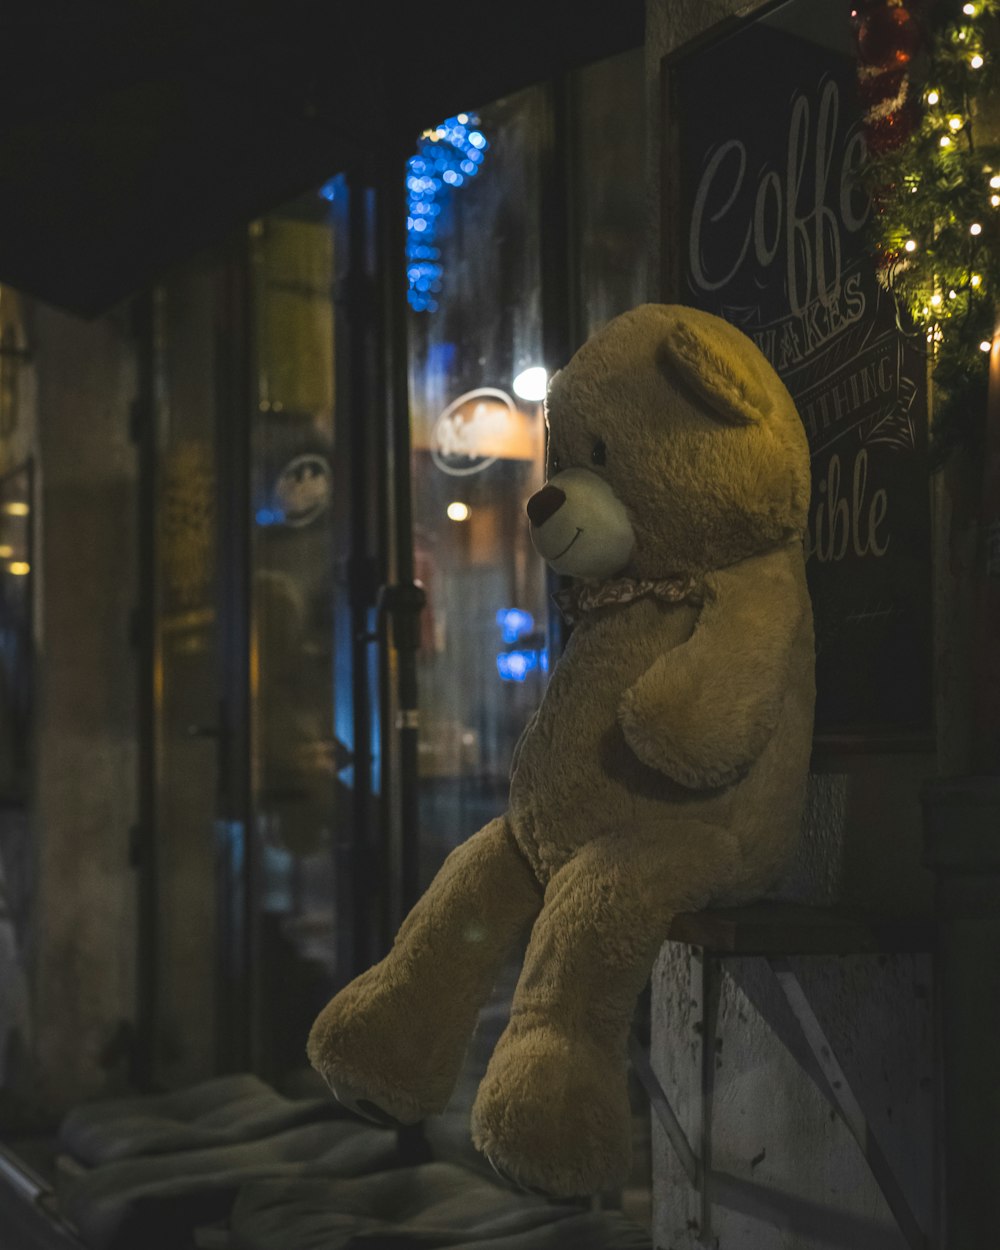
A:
(599, 453)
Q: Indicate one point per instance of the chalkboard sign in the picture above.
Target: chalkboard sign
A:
(765, 225)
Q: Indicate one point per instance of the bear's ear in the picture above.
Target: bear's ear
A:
(721, 373)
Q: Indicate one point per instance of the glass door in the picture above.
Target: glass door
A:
(301, 804)
(263, 777)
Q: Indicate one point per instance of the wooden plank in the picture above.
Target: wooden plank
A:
(796, 929)
(846, 1102)
(664, 1112)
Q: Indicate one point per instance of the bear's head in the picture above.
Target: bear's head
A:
(674, 447)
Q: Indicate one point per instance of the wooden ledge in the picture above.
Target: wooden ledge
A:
(796, 929)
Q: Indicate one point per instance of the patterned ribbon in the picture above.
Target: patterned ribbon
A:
(584, 597)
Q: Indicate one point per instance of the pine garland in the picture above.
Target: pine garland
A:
(936, 222)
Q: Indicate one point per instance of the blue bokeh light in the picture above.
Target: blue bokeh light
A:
(269, 516)
(516, 665)
(514, 622)
(446, 158)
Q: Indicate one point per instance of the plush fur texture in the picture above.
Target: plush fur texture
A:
(664, 770)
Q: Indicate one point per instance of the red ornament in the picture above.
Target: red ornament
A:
(887, 36)
(886, 133)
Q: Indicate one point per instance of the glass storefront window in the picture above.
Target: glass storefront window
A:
(478, 426)
(478, 449)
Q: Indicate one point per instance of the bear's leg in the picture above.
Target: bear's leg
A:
(391, 1043)
(552, 1111)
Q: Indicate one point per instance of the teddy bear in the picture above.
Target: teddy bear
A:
(663, 771)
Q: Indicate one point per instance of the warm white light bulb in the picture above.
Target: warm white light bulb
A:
(952, 294)
(945, 141)
(531, 384)
(975, 228)
(976, 61)
(995, 181)
(935, 300)
(955, 123)
(985, 346)
(969, 10)
(910, 245)
(933, 96)
(458, 511)
(976, 279)
(995, 201)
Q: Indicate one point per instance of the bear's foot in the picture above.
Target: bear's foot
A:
(355, 1100)
(552, 1114)
(384, 1056)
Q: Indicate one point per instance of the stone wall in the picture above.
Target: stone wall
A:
(77, 954)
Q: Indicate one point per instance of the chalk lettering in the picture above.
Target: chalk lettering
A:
(816, 327)
(840, 523)
(783, 217)
(701, 200)
(844, 402)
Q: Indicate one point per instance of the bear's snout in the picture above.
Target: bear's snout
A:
(544, 504)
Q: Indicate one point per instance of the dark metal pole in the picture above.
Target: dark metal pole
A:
(358, 891)
(560, 287)
(404, 600)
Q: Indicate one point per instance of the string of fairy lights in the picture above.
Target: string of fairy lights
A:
(447, 156)
(936, 194)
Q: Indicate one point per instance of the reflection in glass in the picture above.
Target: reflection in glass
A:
(295, 755)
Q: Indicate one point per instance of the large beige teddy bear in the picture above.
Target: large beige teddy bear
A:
(663, 771)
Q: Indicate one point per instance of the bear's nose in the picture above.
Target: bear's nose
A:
(543, 504)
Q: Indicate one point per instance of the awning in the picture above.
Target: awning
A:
(135, 132)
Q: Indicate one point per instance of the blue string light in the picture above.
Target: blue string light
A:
(514, 622)
(446, 158)
(269, 516)
(516, 665)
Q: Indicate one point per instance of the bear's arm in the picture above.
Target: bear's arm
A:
(703, 712)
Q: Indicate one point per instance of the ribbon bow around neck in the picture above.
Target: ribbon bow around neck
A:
(576, 601)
